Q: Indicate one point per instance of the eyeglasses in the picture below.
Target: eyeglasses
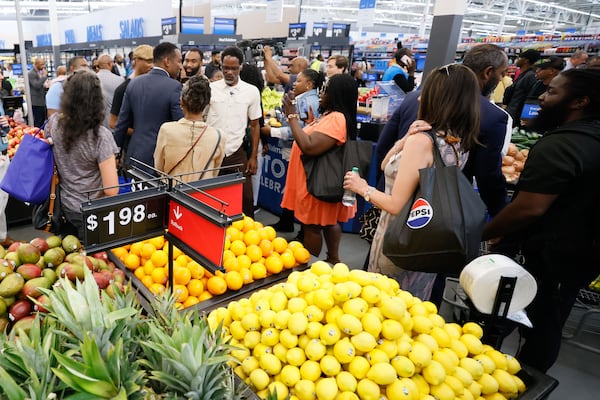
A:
(446, 68)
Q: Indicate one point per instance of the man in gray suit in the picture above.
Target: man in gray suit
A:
(150, 100)
(37, 91)
(109, 82)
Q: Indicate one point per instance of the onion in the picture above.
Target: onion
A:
(512, 149)
(519, 156)
(525, 152)
(518, 166)
(508, 170)
(508, 160)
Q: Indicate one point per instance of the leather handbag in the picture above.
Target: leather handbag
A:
(325, 172)
(48, 216)
(369, 221)
(440, 229)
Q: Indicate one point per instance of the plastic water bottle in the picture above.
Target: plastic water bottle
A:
(349, 197)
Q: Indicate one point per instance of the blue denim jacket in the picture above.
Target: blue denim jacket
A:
(304, 102)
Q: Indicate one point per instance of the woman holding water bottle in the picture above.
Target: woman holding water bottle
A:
(338, 119)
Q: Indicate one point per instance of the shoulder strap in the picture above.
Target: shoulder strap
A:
(213, 153)
(189, 150)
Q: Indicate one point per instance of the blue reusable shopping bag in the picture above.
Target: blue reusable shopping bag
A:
(29, 175)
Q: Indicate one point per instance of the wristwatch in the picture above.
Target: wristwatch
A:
(293, 116)
(367, 195)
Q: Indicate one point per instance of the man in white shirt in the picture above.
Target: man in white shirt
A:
(578, 58)
(109, 82)
(233, 104)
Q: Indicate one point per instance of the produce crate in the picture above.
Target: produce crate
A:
(539, 385)
(214, 302)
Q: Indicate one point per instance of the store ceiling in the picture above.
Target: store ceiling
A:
(415, 16)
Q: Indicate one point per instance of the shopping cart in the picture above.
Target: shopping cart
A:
(587, 306)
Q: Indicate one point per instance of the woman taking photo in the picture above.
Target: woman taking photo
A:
(189, 146)
(84, 150)
(449, 104)
(336, 123)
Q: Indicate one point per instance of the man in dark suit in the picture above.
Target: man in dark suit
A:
(150, 100)
(37, 92)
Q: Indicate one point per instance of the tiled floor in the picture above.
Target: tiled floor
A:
(577, 369)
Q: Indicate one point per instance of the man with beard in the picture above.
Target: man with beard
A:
(514, 96)
(554, 211)
(192, 63)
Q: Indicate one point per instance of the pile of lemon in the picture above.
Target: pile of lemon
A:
(251, 252)
(334, 333)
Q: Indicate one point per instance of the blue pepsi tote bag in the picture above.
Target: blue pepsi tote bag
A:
(440, 229)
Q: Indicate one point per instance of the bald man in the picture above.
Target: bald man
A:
(109, 82)
(274, 74)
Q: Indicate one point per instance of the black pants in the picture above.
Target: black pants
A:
(240, 157)
(39, 115)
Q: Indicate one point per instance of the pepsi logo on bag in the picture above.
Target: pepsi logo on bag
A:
(420, 214)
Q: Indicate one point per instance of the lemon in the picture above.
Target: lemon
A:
(473, 328)
(270, 363)
(459, 348)
(305, 389)
(447, 358)
(330, 366)
(428, 340)
(280, 352)
(364, 342)
(442, 392)
(474, 345)
(344, 351)
(389, 347)
(420, 355)
(330, 334)
(377, 356)
(403, 346)
(341, 292)
(295, 356)
(261, 349)
(453, 329)
(371, 323)
(377, 312)
(455, 384)
(303, 341)
(346, 382)
(403, 366)
(307, 283)
(441, 336)
(326, 389)
(488, 384)
(261, 305)
(313, 329)
(332, 314)
(464, 376)
(418, 308)
(407, 322)
(296, 304)
(422, 324)
(406, 296)
(382, 373)
(315, 350)
(421, 383)
(467, 395)
(349, 324)
(269, 337)
(237, 330)
(249, 364)
(259, 379)
(361, 277)
(370, 294)
(434, 373)
(278, 301)
(506, 383)
(354, 289)
(239, 371)
(340, 273)
(498, 358)
(486, 362)
(358, 367)
(291, 290)
(402, 389)
(513, 366)
(251, 322)
(313, 313)
(323, 299)
(251, 339)
(240, 353)
(391, 329)
(279, 388)
(475, 389)
(437, 320)
(495, 396)
(288, 339)
(368, 390)
(320, 268)
(472, 367)
(297, 323)
(356, 306)
(281, 319)
(310, 370)
(290, 375)
(520, 383)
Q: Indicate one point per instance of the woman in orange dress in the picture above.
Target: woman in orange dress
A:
(337, 122)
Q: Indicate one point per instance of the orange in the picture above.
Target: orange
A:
(259, 271)
(143, 260)
(254, 252)
(196, 269)
(248, 224)
(216, 285)
(227, 243)
(182, 260)
(139, 272)
(190, 301)
(179, 306)
(243, 261)
(132, 261)
(205, 296)
(258, 225)
(147, 250)
(288, 260)
(266, 246)
(233, 233)
(238, 247)
(158, 242)
(176, 253)
(239, 224)
(136, 248)
(120, 252)
(302, 255)
(251, 237)
(234, 280)
(159, 258)
(270, 232)
(148, 267)
(159, 275)
(246, 275)
(195, 287)
(227, 254)
(181, 275)
(180, 292)
(157, 288)
(231, 264)
(279, 244)
(147, 281)
(274, 264)
(294, 243)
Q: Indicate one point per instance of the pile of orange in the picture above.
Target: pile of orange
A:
(252, 251)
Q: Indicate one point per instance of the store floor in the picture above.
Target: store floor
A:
(576, 369)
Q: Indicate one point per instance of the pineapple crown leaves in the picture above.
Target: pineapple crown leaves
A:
(10, 388)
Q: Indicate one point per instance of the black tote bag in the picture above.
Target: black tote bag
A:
(440, 229)
(325, 172)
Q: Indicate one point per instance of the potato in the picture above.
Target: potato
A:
(519, 156)
(508, 160)
(518, 166)
(525, 152)
(508, 170)
(512, 149)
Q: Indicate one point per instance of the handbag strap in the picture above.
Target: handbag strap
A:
(189, 150)
(212, 155)
(52, 201)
